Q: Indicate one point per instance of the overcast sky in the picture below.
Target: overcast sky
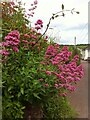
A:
(64, 28)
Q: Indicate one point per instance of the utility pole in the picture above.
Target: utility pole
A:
(75, 42)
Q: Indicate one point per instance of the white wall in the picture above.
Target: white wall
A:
(86, 54)
(83, 54)
(89, 54)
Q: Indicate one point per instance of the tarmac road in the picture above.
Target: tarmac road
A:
(79, 98)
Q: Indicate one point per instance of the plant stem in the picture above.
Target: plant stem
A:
(53, 16)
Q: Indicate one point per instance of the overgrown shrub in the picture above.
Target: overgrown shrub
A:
(58, 108)
(77, 52)
(33, 70)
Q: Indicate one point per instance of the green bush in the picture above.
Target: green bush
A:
(12, 110)
(58, 108)
(13, 18)
(75, 51)
(25, 79)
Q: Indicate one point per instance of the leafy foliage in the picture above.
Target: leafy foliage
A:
(58, 108)
(27, 72)
(13, 18)
(77, 52)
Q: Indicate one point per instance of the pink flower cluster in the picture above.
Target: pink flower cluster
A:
(38, 24)
(34, 6)
(12, 41)
(76, 57)
(4, 52)
(33, 36)
(46, 37)
(30, 36)
(63, 56)
(26, 36)
(51, 51)
(12, 3)
(66, 74)
(30, 39)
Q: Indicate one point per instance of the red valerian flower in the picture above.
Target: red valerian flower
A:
(12, 42)
(30, 15)
(35, 2)
(46, 37)
(33, 36)
(46, 85)
(5, 44)
(13, 38)
(39, 22)
(37, 27)
(26, 35)
(4, 52)
(31, 43)
(12, 3)
(15, 49)
(14, 33)
(25, 46)
(56, 85)
(48, 72)
(63, 94)
(67, 71)
(24, 41)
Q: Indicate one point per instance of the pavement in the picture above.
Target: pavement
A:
(79, 98)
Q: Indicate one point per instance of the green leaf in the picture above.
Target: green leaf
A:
(19, 94)
(35, 82)
(22, 91)
(35, 95)
(56, 16)
(53, 17)
(77, 12)
(62, 7)
(9, 88)
(53, 14)
(63, 14)
(23, 107)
